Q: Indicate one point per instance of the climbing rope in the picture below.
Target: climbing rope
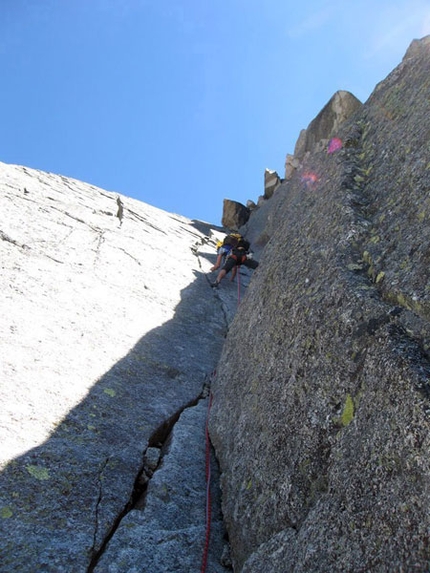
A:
(208, 490)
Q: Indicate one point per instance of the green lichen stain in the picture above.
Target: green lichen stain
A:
(249, 484)
(421, 216)
(6, 512)
(355, 267)
(38, 472)
(348, 411)
(254, 386)
(110, 392)
(367, 258)
(401, 300)
(379, 277)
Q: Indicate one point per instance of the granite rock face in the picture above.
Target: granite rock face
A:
(325, 125)
(160, 534)
(109, 331)
(110, 336)
(271, 182)
(321, 414)
(340, 107)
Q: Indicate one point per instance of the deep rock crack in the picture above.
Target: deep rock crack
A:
(158, 440)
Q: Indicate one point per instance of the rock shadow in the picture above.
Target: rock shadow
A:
(60, 500)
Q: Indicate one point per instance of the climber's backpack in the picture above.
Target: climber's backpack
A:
(243, 244)
(232, 239)
(240, 252)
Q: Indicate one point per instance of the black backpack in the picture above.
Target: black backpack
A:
(243, 244)
(232, 239)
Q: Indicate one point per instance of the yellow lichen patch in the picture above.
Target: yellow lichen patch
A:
(38, 472)
(355, 267)
(110, 392)
(401, 300)
(348, 411)
(379, 277)
(6, 512)
(421, 216)
(366, 257)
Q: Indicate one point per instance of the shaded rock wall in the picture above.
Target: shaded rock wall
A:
(322, 400)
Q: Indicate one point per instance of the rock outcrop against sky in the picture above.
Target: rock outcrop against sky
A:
(109, 330)
(322, 400)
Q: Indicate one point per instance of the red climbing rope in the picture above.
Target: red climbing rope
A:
(208, 491)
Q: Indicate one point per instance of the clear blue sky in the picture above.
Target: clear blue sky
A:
(182, 103)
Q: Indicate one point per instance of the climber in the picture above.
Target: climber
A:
(224, 248)
(239, 255)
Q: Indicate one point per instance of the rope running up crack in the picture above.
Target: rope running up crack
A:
(208, 490)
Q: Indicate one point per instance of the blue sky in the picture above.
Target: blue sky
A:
(182, 103)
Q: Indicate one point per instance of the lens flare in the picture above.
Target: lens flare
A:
(334, 145)
(309, 178)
